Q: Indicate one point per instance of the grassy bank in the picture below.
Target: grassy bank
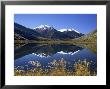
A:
(85, 44)
(51, 42)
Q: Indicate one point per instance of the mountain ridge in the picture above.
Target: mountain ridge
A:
(44, 31)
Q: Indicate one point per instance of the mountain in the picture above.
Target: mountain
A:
(90, 37)
(46, 31)
(88, 41)
(64, 30)
(44, 27)
(50, 32)
(18, 37)
(72, 33)
(24, 32)
(43, 32)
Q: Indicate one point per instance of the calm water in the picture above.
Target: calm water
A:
(30, 56)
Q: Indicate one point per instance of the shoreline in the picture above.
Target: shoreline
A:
(90, 45)
(52, 42)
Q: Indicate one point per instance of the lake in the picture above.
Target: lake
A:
(48, 57)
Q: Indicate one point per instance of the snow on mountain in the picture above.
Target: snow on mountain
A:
(50, 27)
(62, 30)
(43, 27)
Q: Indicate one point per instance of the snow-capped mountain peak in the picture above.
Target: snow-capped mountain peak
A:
(43, 27)
(62, 30)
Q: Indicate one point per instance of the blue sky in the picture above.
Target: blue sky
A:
(83, 23)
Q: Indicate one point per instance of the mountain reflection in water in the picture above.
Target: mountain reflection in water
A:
(48, 57)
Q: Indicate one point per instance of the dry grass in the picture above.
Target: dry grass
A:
(81, 68)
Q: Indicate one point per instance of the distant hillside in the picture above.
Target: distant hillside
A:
(87, 41)
(26, 33)
(89, 38)
(18, 37)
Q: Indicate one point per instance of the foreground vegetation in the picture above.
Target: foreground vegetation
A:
(81, 68)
